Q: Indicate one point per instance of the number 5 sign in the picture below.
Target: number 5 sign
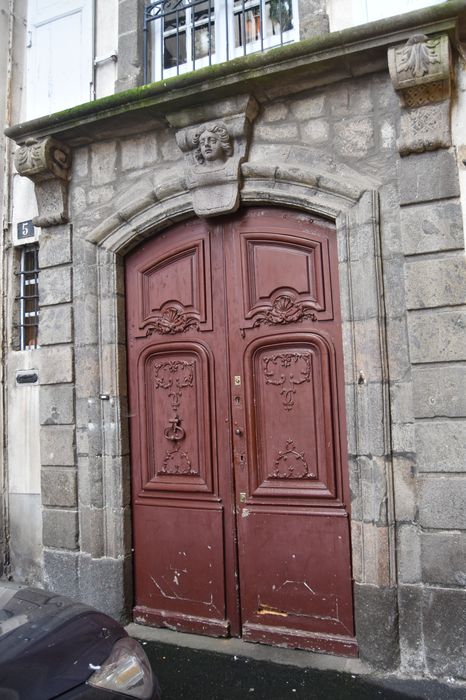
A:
(25, 229)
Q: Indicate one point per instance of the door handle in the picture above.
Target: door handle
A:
(239, 431)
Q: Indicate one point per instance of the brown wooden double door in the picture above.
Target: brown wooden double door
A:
(239, 476)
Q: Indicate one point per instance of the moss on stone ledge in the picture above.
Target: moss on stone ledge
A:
(183, 90)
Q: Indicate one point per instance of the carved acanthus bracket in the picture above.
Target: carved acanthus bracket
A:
(214, 149)
(47, 163)
(420, 71)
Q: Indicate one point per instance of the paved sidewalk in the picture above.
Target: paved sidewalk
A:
(209, 674)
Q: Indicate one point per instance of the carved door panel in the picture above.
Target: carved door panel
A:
(181, 469)
(289, 431)
(237, 431)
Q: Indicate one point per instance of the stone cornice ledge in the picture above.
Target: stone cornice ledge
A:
(318, 61)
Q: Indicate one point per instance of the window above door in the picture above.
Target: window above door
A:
(59, 55)
(183, 35)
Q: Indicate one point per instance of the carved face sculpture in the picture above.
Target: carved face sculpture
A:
(211, 146)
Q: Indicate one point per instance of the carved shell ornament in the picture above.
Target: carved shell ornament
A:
(417, 57)
(285, 309)
(171, 321)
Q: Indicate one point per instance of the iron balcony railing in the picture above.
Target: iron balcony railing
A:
(182, 35)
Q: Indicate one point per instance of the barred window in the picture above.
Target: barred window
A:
(182, 35)
(29, 297)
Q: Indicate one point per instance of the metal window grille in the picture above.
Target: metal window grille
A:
(29, 297)
(182, 35)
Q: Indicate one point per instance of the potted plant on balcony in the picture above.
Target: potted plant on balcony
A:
(281, 14)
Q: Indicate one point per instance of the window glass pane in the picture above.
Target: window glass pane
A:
(174, 34)
(187, 34)
(29, 297)
(189, 31)
(257, 20)
(204, 29)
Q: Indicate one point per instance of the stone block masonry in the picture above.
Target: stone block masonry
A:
(57, 410)
(431, 543)
(330, 139)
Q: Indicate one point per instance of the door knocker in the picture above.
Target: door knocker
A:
(175, 432)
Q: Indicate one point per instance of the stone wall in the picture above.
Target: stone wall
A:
(432, 539)
(346, 149)
(358, 119)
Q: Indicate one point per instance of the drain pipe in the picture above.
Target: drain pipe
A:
(6, 119)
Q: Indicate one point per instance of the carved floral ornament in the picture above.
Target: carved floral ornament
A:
(287, 370)
(173, 377)
(47, 163)
(41, 160)
(291, 464)
(420, 70)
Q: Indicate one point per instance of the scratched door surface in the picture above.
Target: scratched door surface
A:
(180, 434)
(237, 431)
(289, 431)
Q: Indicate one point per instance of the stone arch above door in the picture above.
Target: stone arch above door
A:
(352, 203)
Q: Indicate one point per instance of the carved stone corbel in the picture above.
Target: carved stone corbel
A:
(420, 71)
(47, 163)
(215, 141)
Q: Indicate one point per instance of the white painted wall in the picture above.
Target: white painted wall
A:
(23, 449)
(70, 44)
(349, 13)
(106, 46)
(54, 64)
(59, 55)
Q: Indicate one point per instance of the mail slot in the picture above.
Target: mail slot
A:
(27, 376)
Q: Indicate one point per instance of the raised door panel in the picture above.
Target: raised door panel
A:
(294, 451)
(175, 291)
(179, 433)
(180, 581)
(296, 579)
(285, 278)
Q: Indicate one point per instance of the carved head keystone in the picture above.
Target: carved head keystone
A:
(212, 143)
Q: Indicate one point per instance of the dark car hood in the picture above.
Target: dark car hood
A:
(47, 643)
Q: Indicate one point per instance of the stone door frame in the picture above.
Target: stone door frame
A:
(354, 207)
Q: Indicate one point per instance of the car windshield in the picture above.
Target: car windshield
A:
(8, 621)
